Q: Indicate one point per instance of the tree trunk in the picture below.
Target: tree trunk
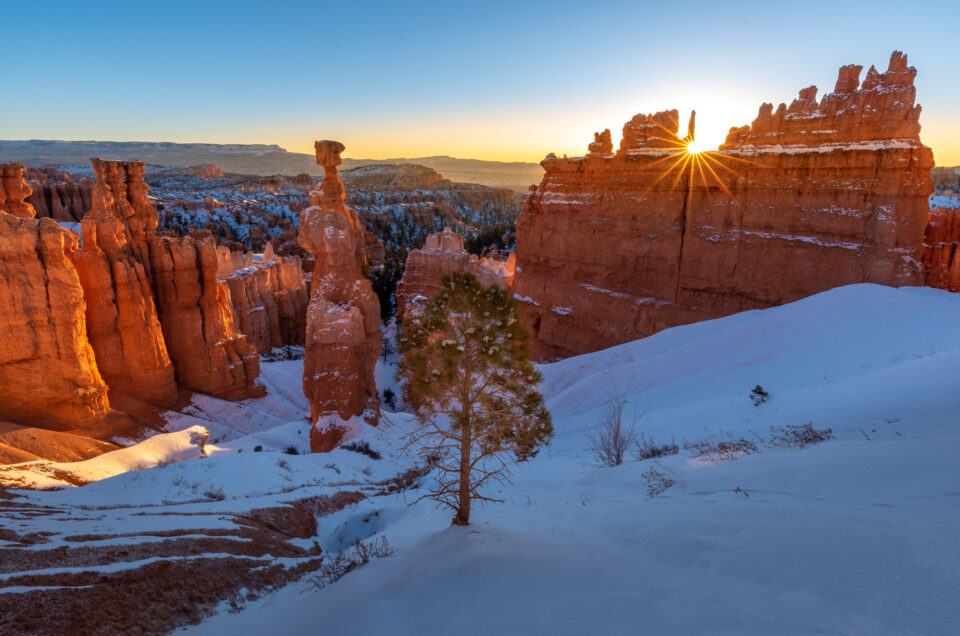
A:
(463, 510)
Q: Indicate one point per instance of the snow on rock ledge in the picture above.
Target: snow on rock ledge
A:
(155, 451)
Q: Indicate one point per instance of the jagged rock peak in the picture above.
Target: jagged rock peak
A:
(331, 191)
(880, 110)
(14, 191)
(602, 145)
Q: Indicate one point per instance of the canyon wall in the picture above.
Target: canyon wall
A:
(124, 315)
(59, 195)
(615, 246)
(442, 255)
(269, 297)
(941, 249)
(122, 321)
(209, 354)
(343, 317)
(48, 373)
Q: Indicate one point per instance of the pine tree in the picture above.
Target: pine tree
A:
(466, 370)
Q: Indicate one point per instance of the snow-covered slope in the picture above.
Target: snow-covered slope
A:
(855, 535)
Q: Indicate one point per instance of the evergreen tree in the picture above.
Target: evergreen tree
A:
(466, 370)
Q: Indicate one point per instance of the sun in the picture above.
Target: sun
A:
(693, 147)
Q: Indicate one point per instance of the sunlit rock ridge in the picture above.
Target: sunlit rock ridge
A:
(616, 246)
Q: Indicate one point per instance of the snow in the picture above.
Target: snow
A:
(155, 451)
(944, 201)
(855, 535)
(800, 149)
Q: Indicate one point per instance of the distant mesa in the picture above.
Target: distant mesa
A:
(258, 159)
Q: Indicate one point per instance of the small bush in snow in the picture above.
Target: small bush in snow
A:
(611, 437)
(723, 448)
(646, 448)
(798, 436)
(658, 480)
(758, 395)
(362, 447)
(258, 448)
(286, 353)
(291, 450)
(350, 559)
(215, 494)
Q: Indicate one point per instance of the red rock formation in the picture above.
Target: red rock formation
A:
(121, 316)
(209, 354)
(374, 249)
(343, 318)
(48, 374)
(809, 197)
(58, 195)
(941, 249)
(442, 255)
(269, 297)
(14, 191)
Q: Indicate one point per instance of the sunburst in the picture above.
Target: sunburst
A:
(685, 157)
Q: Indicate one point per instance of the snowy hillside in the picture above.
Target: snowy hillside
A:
(853, 535)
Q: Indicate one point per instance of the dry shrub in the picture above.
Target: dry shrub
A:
(611, 437)
(646, 448)
(658, 480)
(798, 436)
(722, 447)
(350, 559)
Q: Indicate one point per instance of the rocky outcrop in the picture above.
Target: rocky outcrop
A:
(122, 321)
(941, 249)
(209, 354)
(443, 255)
(59, 195)
(343, 318)
(48, 373)
(809, 197)
(14, 191)
(269, 297)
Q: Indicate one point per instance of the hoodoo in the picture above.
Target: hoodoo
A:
(442, 255)
(343, 317)
(614, 247)
(48, 374)
(14, 191)
(122, 321)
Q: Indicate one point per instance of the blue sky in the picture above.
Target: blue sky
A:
(496, 80)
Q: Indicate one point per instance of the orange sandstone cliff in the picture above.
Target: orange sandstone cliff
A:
(343, 317)
(122, 321)
(616, 246)
(442, 255)
(941, 249)
(209, 354)
(48, 373)
(14, 191)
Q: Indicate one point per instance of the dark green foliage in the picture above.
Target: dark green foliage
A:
(291, 450)
(390, 398)
(466, 371)
(258, 448)
(498, 236)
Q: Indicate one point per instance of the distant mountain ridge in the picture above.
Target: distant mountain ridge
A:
(256, 159)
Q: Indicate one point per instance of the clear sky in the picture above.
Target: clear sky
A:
(488, 80)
